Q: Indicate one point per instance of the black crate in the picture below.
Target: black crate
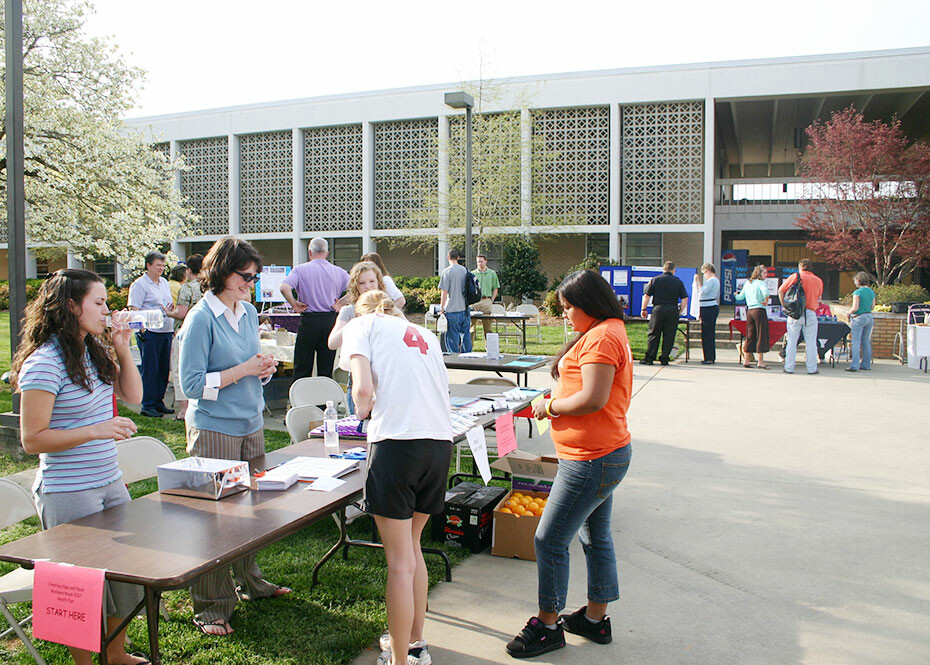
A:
(468, 515)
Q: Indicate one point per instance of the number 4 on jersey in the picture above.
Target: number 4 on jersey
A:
(414, 340)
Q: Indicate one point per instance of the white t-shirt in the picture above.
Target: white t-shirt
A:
(411, 384)
(391, 288)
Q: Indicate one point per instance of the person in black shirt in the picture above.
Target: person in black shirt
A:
(666, 290)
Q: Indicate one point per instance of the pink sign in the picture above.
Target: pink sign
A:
(67, 605)
(506, 437)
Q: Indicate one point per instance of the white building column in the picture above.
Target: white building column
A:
(526, 169)
(368, 187)
(297, 196)
(31, 271)
(613, 188)
(709, 177)
(74, 263)
(235, 221)
(443, 187)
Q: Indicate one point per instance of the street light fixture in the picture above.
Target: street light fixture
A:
(462, 100)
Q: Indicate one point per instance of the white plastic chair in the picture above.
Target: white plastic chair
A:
(16, 586)
(532, 311)
(140, 457)
(316, 391)
(298, 418)
(498, 309)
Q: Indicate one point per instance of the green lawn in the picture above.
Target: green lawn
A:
(332, 623)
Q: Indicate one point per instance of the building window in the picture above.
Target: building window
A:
(333, 178)
(345, 252)
(643, 249)
(106, 269)
(41, 268)
(205, 183)
(597, 244)
(265, 182)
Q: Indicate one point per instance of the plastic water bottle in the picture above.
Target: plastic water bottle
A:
(150, 319)
(330, 433)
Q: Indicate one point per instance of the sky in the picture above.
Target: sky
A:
(202, 54)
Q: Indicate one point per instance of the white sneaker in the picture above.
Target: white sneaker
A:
(385, 643)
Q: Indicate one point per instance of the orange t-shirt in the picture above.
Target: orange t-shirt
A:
(813, 288)
(595, 434)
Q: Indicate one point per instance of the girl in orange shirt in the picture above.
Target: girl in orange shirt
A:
(588, 411)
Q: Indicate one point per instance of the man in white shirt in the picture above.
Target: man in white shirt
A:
(151, 291)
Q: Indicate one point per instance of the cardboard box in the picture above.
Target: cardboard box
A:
(203, 477)
(512, 535)
(467, 518)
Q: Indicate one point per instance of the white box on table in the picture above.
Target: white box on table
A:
(203, 477)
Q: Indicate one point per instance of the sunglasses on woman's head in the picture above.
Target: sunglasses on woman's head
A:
(247, 277)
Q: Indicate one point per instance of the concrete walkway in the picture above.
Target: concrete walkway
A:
(767, 518)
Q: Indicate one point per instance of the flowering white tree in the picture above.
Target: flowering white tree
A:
(90, 184)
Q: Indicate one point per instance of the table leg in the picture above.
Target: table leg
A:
(523, 326)
(152, 602)
(335, 548)
(106, 638)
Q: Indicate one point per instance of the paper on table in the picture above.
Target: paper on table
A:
(479, 450)
(506, 437)
(325, 484)
(66, 603)
(542, 426)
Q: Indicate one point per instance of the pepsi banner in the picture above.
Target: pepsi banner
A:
(733, 267)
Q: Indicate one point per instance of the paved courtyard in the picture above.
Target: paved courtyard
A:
(766, 518)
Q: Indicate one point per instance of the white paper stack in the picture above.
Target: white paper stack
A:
(493, 342)
(319, 467)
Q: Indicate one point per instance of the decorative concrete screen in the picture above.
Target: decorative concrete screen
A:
(265, 182)
(206, 184)
(164, 148)
(495, 169)
(333, 178)
(663, 163)
(571, 166)
(406, 174)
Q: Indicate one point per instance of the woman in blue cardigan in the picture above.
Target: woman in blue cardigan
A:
(222, 371)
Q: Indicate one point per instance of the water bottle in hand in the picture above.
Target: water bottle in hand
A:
(330, 433)
(150, 319)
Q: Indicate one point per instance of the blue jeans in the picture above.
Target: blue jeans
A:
(807, 325)
(458, 337)
(580, 502)
(861, 325)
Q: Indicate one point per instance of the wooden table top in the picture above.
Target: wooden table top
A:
(165, 541)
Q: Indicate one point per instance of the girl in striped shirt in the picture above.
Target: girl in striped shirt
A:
(66, 372)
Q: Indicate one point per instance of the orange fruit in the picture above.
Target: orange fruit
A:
(537, 512)
(515, 495)
(519, 510)
(510, 503)
(506, 510)
(525, 500)
(533, 506)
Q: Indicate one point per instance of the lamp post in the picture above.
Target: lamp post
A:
(459, 100)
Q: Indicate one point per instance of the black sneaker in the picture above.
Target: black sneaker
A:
(577, 624)
(536, 639)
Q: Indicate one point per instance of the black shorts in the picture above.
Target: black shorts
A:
(406, 477)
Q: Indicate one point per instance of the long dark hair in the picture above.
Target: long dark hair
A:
(51, 314)
(226, 256)
(589, 292)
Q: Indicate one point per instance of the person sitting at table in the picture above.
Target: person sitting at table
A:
(66, 374)
(364, 276)
(861, 322)
(756, 296)
(594, 375)
(222, 372)
(400, 383)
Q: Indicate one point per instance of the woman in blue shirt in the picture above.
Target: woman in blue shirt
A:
(860, 322)
(222, 371)
(756, 296)
(710, 292)
(67, 372)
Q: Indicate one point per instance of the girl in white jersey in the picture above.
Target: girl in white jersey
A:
(399, 381)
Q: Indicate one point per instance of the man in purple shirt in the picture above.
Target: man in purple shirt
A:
(319, 284)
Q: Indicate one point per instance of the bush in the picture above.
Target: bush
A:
(889, 293)
(419, 299)
(519, 271)
(117, 298)
(405, 283)
(551, 304)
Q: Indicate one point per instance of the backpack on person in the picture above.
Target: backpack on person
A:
(793, 301)
(472, 288)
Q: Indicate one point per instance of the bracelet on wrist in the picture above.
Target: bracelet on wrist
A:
(549, 408)
(232, 371)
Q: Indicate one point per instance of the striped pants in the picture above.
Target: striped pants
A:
(214, 593)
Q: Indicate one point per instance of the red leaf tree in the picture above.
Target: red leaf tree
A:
(868, 196)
